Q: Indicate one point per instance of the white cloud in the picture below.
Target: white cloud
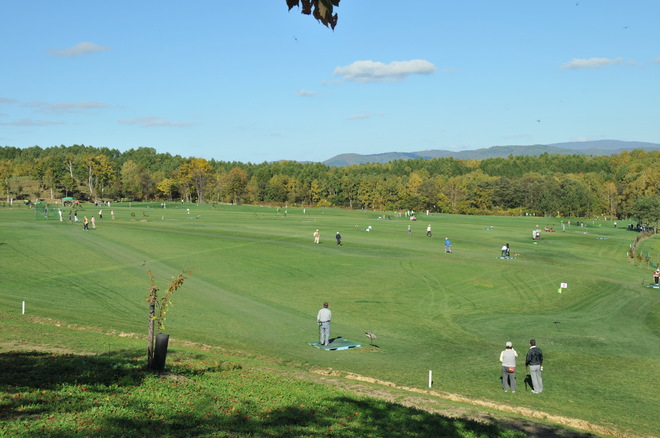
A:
(305, 93)
(66, 107)
(149, 122)
(360, 116)
(370, 71)
(30, 122)
(7, 100)
(657, 60)
(577, 63)
(80, 49)
(364, 115)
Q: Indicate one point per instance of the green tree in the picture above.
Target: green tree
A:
(278, 187)
(572, 197)
(315, 191)
(136, 180)
(48, 171)
(236, 184)
(99, 173)
(6, 172)
(69, 184)
(532, 186)
(647, 211)
(455, 191)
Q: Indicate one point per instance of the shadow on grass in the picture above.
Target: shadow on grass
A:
(113, 395)
(343, 417)
(38, 370)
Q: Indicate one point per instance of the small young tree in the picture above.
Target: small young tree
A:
(158, 308)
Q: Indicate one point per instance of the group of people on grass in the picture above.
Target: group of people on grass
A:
(533, 362)
(317, 237)
(508, 356)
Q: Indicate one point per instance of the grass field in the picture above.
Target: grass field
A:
(258, 281)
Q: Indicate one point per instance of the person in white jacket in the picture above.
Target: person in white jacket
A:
(323, 319)
(508, 358)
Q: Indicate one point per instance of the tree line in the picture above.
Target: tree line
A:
(550, 185)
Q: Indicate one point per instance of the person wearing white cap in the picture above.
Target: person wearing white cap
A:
(508, 358)
(656, 276)
(323, 319)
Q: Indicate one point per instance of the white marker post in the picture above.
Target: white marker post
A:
(23, 307)
(430, 378)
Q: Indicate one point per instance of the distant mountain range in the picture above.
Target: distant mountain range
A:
(598, 147)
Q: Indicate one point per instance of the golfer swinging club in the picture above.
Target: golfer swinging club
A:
(323, 319)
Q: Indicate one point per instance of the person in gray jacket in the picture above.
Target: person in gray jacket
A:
(508, 358)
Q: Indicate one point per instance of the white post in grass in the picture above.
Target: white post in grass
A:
(430, 378)
(23, 307)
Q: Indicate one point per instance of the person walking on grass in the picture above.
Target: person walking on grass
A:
(447, 245)
(508, 359)
(317, 237)
(323, 319)
(428, 231)
(85, 224)
(338, 237)
(656, 276)
(534, 361)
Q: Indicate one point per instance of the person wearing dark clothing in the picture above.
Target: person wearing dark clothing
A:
(338, 237)
(534, 361)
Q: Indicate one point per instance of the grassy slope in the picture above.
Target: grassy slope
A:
(258, 281)
(206, 392)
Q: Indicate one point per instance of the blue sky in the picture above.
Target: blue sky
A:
(253, 82)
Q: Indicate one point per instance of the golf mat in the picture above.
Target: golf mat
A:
(338, 343)
(506, 258)
(653, 286)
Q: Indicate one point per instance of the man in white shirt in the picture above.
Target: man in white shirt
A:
(323, 319)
